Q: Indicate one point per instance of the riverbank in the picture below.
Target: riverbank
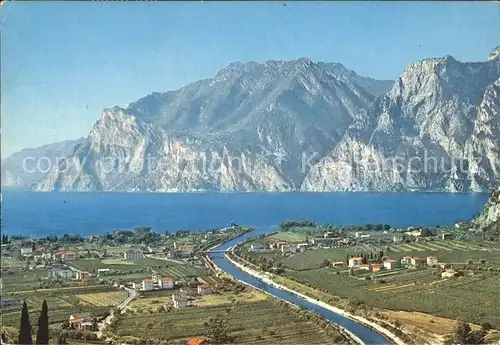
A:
(266, 279)
(343, 331)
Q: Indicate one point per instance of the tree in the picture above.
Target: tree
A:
(62, 338)
(462, 331)
(25, 328)
(218, 330)
(42, 335)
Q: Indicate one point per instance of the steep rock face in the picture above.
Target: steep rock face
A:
(25, 168)
(483, 147)
(416, 136)
(289, 125)
(489, 218)
(495, 54)
(246, 129)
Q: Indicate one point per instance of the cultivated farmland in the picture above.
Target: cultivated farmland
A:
(262, 322)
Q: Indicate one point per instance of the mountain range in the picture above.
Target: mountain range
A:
(287, 126)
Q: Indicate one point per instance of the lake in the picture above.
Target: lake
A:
(40, 214)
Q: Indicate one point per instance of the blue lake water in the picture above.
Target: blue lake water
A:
(41, 214)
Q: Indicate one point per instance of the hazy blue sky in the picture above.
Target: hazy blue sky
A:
(63, 62)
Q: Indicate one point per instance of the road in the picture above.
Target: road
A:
(132, 294)
(363, 332)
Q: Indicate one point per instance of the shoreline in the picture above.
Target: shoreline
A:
(390, 336)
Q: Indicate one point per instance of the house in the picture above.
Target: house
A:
(446, 236)
(197, 341)
(365, 267)
(376, 267)
(180, 300)
(338, 263)
(432, 260)
(406, 260)
(155, 276)
(206, 289)
(166, 283)
(60, 272)
(443, 265)
(26, 250)
(358, 234)
(132, 254)
(355, 262)
(64, 256)
(81, 275)
(302, 246)
(322, 242)
(330, 234)
(285, 248)
(81, 322)
(416, 262)
(257, 247)
(398, 238)
(390, 264)
(147, 285)
(449, 273)
(462, 225)
(414, 233)
(102, 271)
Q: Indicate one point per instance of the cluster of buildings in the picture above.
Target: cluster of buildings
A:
(82, 322)
(329, 239)
(185, 296)
(29, 250)
(65, 272)
(389, 263)
(157, 282)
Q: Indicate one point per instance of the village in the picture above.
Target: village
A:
(91, 281)
(370, 244)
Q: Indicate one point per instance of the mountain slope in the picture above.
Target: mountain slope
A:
(25, 168)
(290, 125)
(245, 129)
(489, 218)
(421, 135)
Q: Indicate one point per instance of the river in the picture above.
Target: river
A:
(366, 334)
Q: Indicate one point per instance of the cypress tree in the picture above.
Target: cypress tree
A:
(25, 329)
(42, 336)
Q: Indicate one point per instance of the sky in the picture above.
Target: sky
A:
(62, 63)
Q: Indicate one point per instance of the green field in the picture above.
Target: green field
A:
(139, 269)
(262, 322)
(61, 302)
(446, 251)
(474, 297)
(292, 237)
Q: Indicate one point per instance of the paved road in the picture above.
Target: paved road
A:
(132, 294)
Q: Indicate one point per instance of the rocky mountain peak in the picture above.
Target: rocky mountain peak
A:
(300, 125)
(495, 54)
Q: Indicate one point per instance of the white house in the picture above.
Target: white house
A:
(390, 264)
(147, 285)
(432, 260)
(132, 254)
(166, 283)
(355, 262)
(284, 248)
(60, 273)
(26, 250)
(102, 271)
